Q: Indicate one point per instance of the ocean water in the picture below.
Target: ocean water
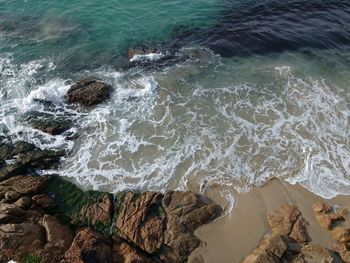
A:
(254, 90)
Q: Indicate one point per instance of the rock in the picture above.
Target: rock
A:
(17, 240)
(341, 234)
(316, 254)
(192, 209)
(24, 202)
(299, 232)
(282, 221)
(133, 51)
(270, 249)
(343, 251)
(100, 211)
(321, 207)
(56, 232)
(141, 220)
(22, 184)
(43, 200)
(124, 253)
(88, 92)
(89, 247)
(327, 220)
(11, 196)
(10, 213)
(51, 126)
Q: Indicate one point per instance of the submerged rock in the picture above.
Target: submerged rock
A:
(88, 92)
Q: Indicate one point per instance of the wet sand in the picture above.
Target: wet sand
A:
(234, 236)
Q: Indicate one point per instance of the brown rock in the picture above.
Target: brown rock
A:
(56, 232)
(10, 213)
(321, 207)
(22, 184)
(327, 220)
(24, 202)
(141, 221)
(282, 221)
(43, 200)
(343, 251)
(124, 253)
(316, 254)
(19, 239)
(133, 51)
(88, 92)
(192, 209)
(99, 212)
(270, 249)
(89, 247)
(341, 234)
(299, 232)
(11, 196)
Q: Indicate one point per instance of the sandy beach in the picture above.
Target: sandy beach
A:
(234, 236)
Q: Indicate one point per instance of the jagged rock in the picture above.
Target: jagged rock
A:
(316, 254)
(43, 200)
(89, 247)
(56, 232)
(22, 184)
(270, 249)
(321, 207)
(24, 202)
(164, 224)
(17, 240)
(343, 250)
(10, 213)
(327, 220)
(283, 220)
(88, 92)
(299, 232)
(51, 126)
(192, 209)
(141, 220)
(100, 211)
(11, 196)
(122, 252)
(341, 234)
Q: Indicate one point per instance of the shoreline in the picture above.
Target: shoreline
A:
(222, 239)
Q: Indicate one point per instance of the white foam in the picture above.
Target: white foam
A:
(147, 57)
(53, 91)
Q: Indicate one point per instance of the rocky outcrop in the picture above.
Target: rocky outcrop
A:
(324, 215)
(289, 241)
(164, 224)
(25, 157)
(88, 92)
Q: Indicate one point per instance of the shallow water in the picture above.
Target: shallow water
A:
(232, 117)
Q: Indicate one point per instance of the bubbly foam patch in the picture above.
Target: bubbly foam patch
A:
(147, 57)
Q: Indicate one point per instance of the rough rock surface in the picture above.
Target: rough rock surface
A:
(341, 234)
(88, 92)
(89, 247)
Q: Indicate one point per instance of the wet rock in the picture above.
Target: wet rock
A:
(88, 92)
(270, 249)
(100, 211)
(341, 234)
(10, 213)
(56, 232)
(51, 126)
(43, 200)
(135, 51)
(321, 207)
(299, 232)
(316, 254)
(89, 247)
(17, 240)
(11, 196)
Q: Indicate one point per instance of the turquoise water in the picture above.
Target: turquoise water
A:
(246, 98)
